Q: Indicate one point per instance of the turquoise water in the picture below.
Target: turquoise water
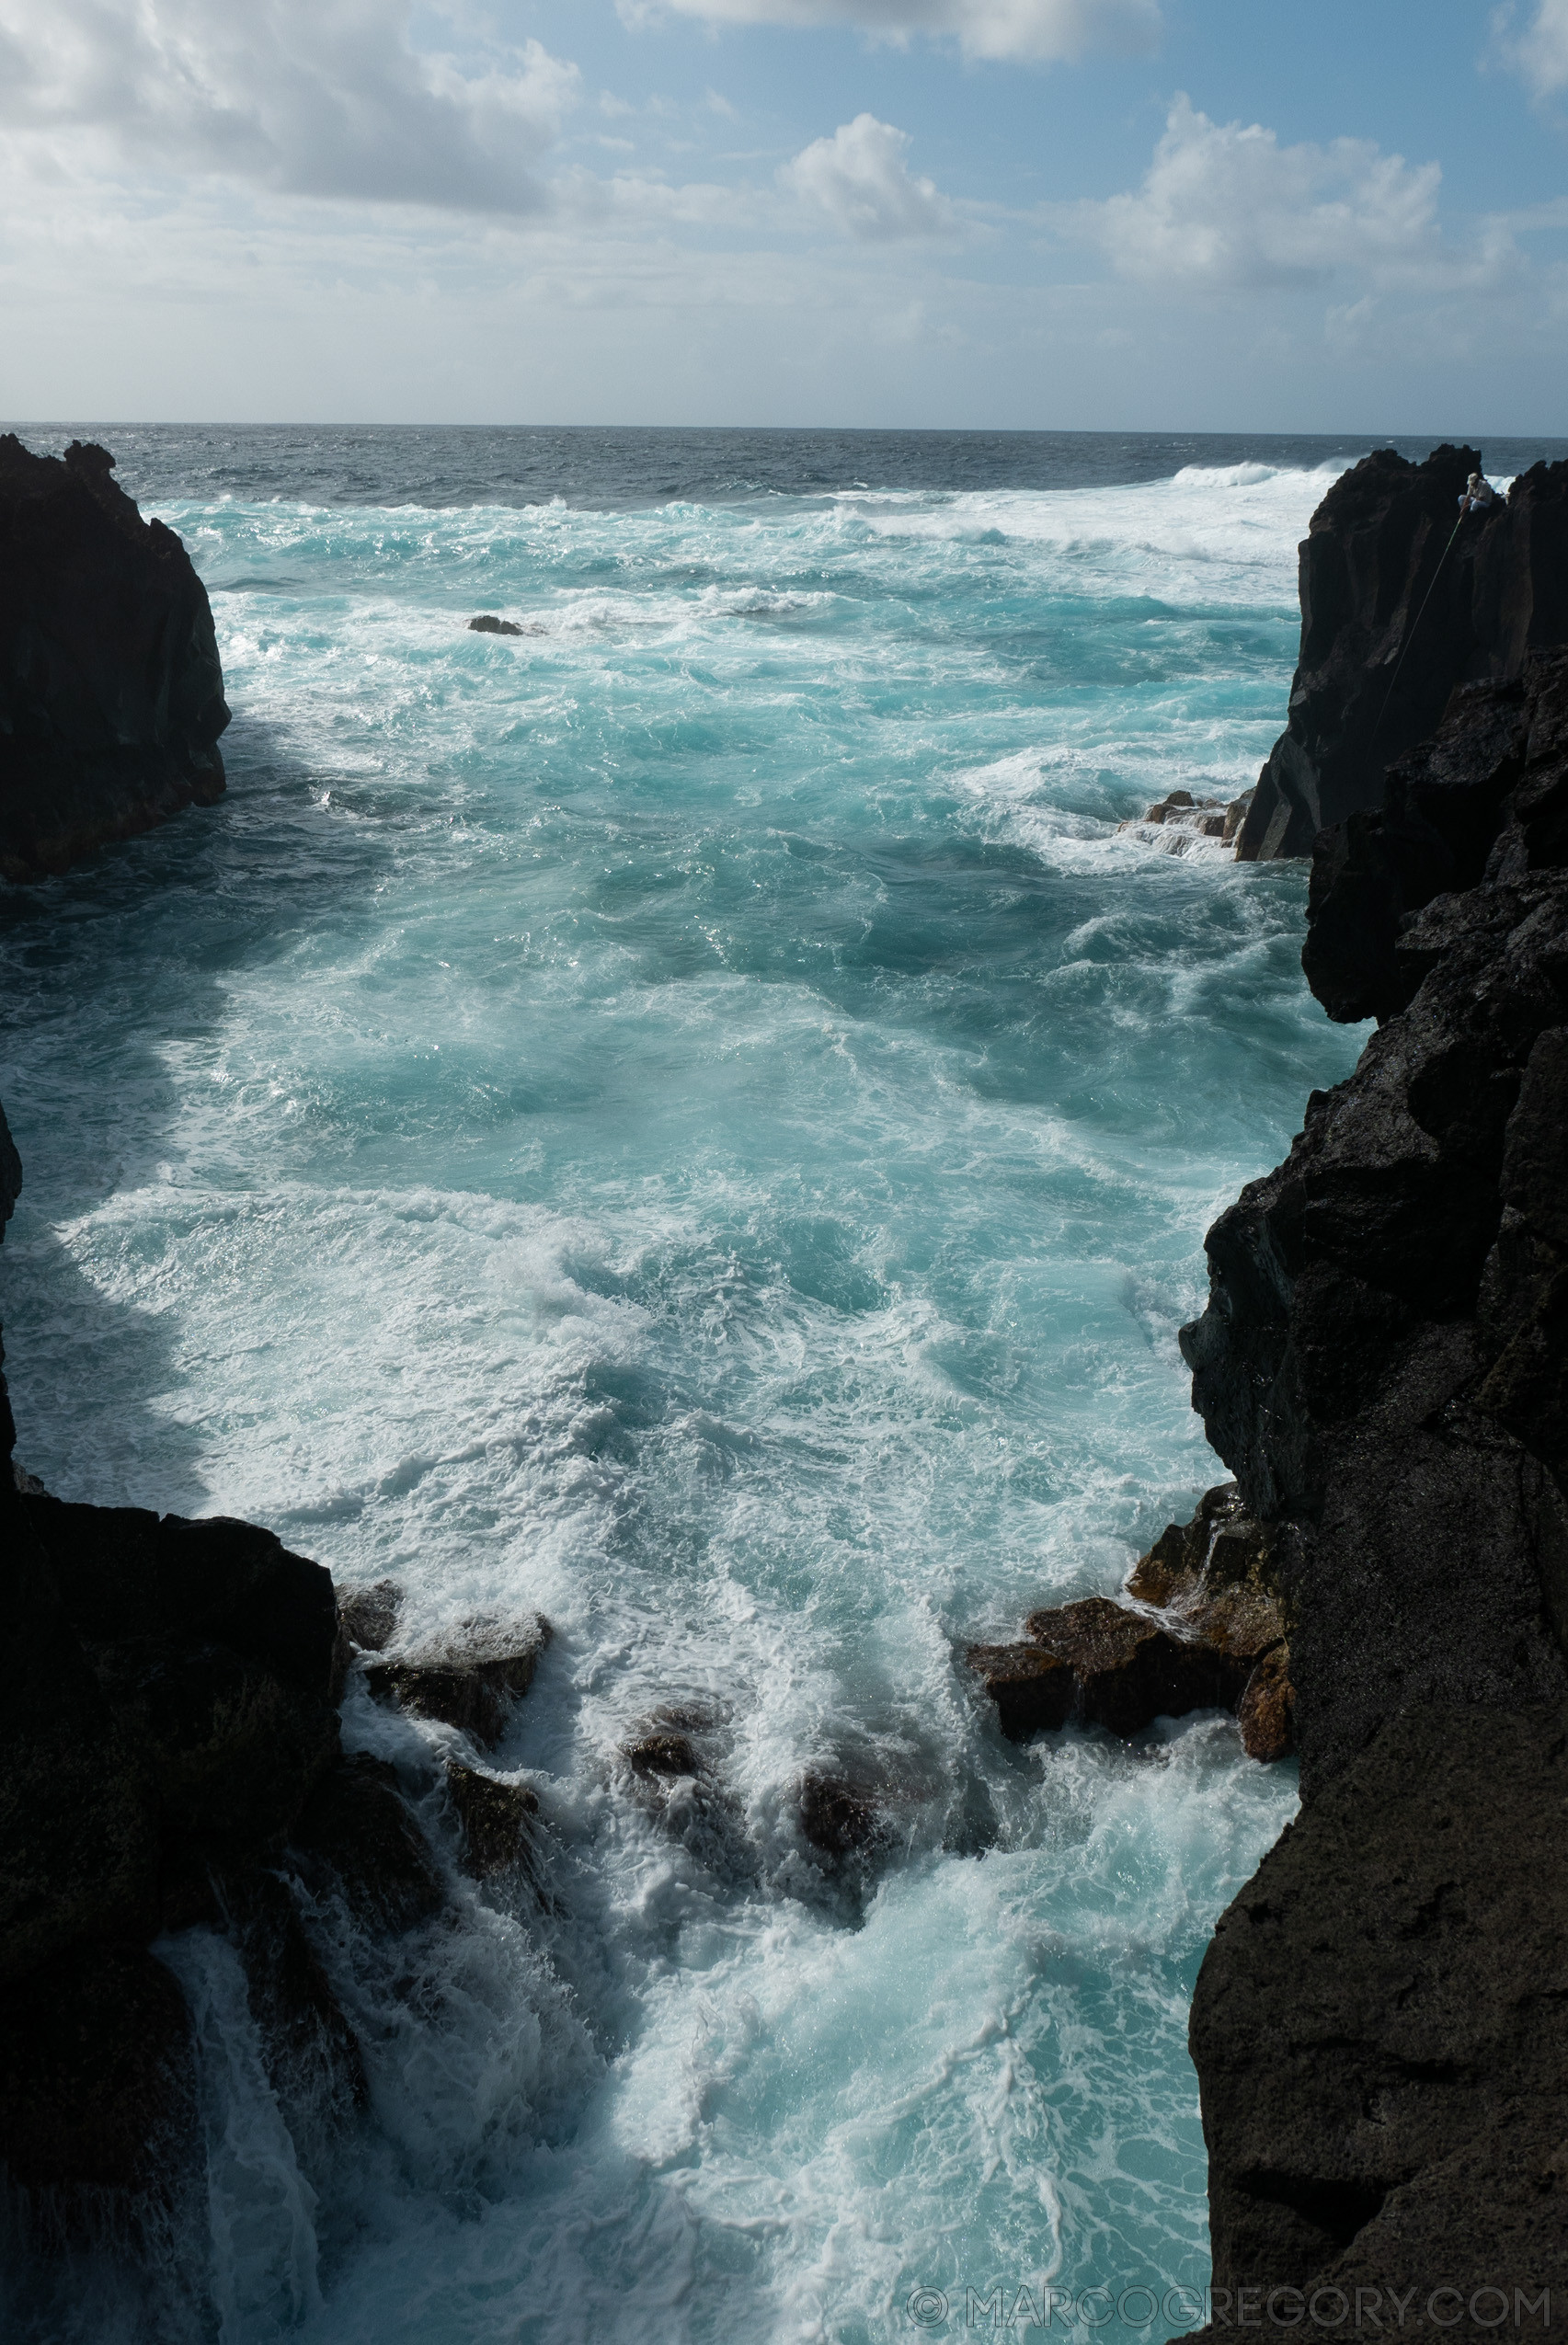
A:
(694, 1118)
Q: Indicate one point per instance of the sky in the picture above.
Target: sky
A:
(1229, 215)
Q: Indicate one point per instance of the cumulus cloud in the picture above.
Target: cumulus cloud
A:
(1045, 31)
(1224, 206)
(1540, 51)
(860, 180)
(320, 97)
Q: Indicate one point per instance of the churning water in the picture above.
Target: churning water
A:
(692, 1118)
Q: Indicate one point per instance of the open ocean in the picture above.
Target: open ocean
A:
(692, 1119)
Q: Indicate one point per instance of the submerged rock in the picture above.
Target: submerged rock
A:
(842, 1820)
(111, 695)
(470, 1679)
(664, 1755)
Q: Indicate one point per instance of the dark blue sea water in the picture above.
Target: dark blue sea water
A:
(693, 1117)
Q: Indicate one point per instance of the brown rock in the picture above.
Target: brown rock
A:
(1212, 1574)
(1127, 1670)
(1268, 1709)
(471, 1679)
(1032, 1689)
(497, 1821)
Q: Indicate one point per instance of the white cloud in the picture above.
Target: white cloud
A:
(1540, 51)
(1225, 206)
(321, 97)
(860, 180)
(1042, 29)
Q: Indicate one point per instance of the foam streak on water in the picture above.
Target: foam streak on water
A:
(692, 1118)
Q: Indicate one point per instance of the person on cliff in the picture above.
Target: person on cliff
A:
(1479, 494)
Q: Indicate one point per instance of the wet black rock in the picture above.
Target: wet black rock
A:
(470, 1679)
(1371, 682)
(359, 1836)
(369, 1614)
(312, 2054)
(1034, 1690)
(842, 1819)
(111, 696)
(486, 623)
(497, 1822)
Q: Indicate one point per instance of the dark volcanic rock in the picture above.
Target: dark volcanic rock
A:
(842, 1820)
(1372, 566)
(312, 2054)
(369, 1614)
(470, 1679)
(486, 623)
(1382, 1355)
(97, 2084)
(1379, 2025)
(1382, 2024)
(358, 1833)
(111, 697)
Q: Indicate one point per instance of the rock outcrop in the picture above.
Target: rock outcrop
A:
(1383, 1364)
(1220, 1644)
(1392, 618)
(469, 1678)
(111, 696)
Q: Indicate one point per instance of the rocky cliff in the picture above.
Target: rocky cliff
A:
(111, 697)
(170, 1759)
(1380, 2027)
(1392, 616)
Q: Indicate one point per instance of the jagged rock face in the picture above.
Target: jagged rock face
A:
(1378, 2025)
(1381, 1363)
(1392, 619)
(1381, 2028)
(111, 695)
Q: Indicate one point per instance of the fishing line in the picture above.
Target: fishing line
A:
(1421, 614)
